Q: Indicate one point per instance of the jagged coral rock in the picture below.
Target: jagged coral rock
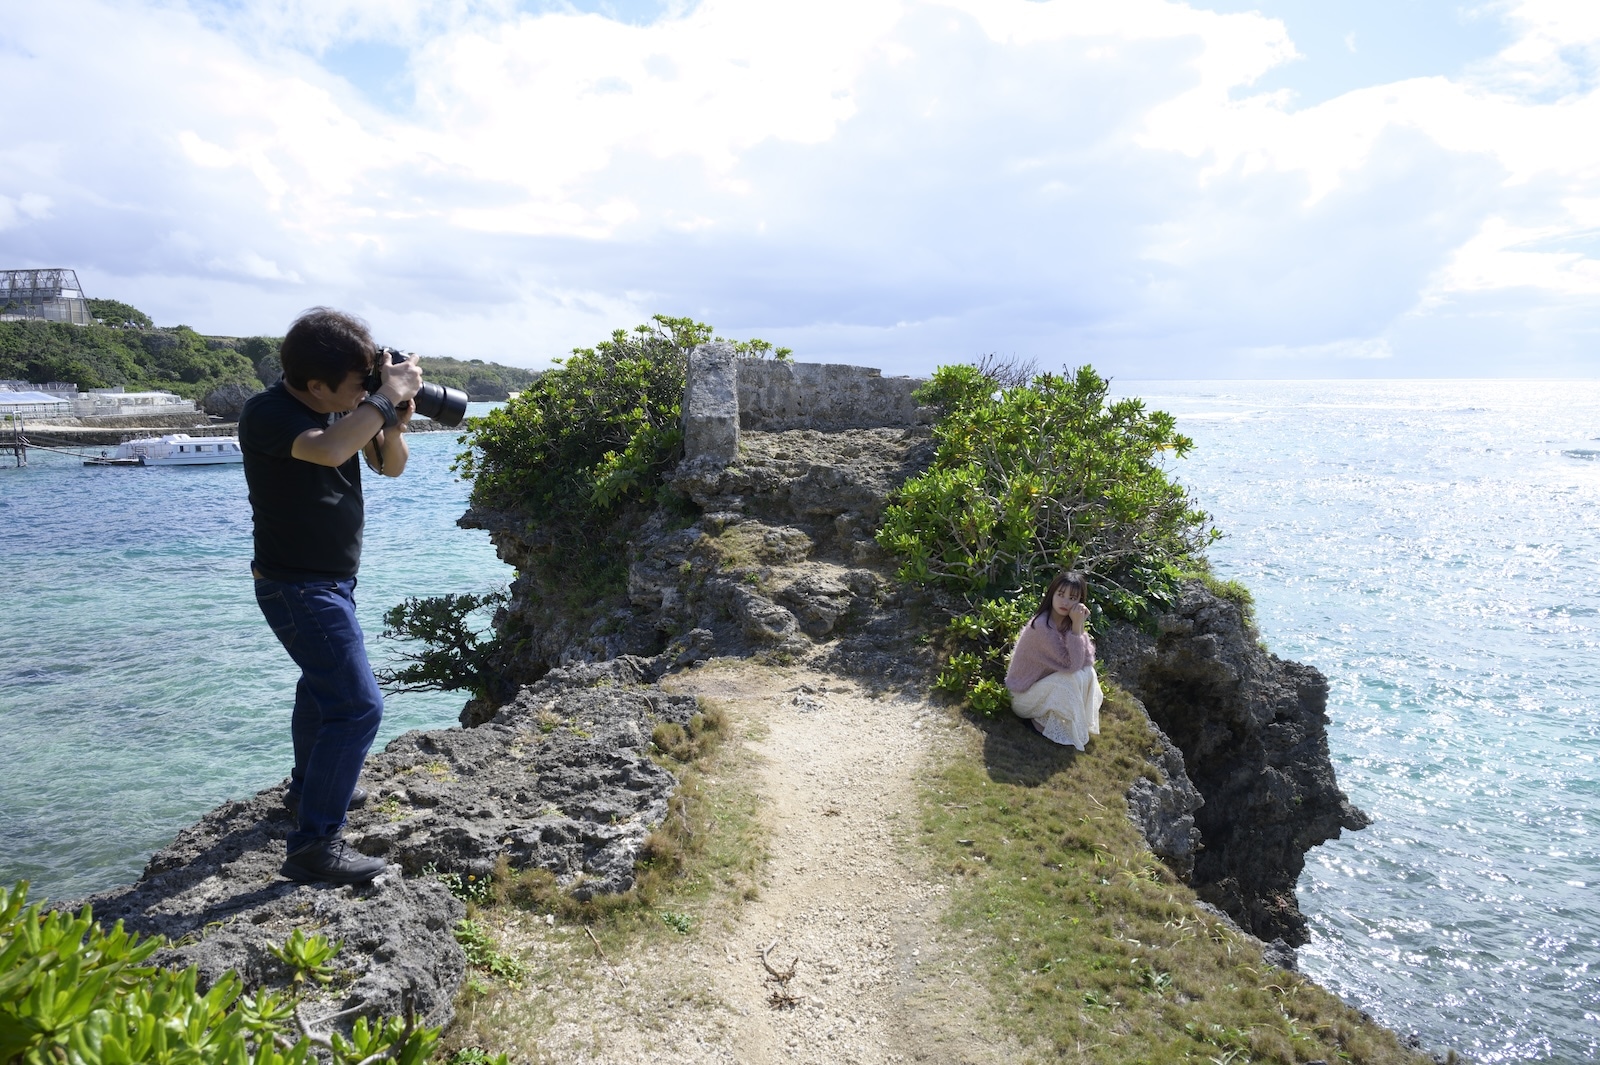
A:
(1164, 810)
(1252, 729)
(781, 556)
(558, 779)
(215, 893)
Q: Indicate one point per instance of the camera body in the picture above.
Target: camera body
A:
(447, 406)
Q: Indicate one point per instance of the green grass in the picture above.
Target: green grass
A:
(1233, 591)
(1094, 951)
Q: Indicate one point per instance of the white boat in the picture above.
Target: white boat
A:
(174, 449)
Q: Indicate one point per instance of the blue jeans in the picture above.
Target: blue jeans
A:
(337, 704)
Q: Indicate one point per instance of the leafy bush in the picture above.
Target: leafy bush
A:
(98, 356)
(1029, 480)
(119, 315)
(589, 435)
(454, 656)
(589, 441)
(72, 992)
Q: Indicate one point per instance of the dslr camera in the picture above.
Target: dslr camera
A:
(447, 406)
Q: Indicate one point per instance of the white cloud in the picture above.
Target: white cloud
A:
(904, 181)
(28, 206)
(1503, 256)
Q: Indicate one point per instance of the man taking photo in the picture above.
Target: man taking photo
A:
(301, 440)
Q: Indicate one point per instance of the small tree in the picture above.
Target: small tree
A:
(591, 434)
(1030, 480)
(454, 656)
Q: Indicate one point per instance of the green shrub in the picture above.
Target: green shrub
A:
(454, 655)
(588, 442)
(586, 436)
(1029, 480)
(72, 992)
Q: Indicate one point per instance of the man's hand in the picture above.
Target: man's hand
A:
(401, 380)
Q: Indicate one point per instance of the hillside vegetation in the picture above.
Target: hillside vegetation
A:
(131, 351)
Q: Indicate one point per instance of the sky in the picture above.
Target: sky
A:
(1214, 189)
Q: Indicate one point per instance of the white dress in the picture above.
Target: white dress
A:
(1064, 706)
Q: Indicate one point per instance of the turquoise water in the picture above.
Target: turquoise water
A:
(1434, 548)
(139, 685)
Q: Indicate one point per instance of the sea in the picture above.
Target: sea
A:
(139, 685)
(1433, 547)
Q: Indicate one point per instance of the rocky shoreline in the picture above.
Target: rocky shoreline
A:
(780, 564)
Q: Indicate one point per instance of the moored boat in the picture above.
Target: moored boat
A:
(174, 449)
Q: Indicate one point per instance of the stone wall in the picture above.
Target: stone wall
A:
(777, 396)
(727, 394)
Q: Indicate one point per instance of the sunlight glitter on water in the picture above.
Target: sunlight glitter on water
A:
(1432, 548)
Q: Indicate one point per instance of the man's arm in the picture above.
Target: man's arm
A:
(387, 452)
(335, 445)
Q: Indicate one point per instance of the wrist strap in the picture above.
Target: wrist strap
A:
(384, 406)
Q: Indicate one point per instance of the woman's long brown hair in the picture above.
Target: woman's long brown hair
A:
(1072, 579)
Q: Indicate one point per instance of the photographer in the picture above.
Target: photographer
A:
(301, 439)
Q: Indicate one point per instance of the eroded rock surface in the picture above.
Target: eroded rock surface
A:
(780, 560)
(216, 894)
(559, 779)
(1252, 729)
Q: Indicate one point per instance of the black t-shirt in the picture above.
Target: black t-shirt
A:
(308, 517)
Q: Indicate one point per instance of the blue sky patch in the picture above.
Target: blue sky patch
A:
(1355, 44)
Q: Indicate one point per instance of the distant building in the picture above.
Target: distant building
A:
(36, 404)
(63, 397)
(114, 402)
(50, 295)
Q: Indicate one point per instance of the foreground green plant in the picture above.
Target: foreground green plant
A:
(1092, 949)
(483, 955)
(72, 992)
(1029, 480)
(308, 956)
(455, 656)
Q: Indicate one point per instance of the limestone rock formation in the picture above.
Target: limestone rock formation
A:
(780, 560)
(1252, 730)
(1165, 811)
(215, 893)
(559, 779)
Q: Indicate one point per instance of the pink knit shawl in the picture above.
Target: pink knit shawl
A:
(1042, 650)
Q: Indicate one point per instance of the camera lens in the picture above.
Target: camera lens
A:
(447, 406)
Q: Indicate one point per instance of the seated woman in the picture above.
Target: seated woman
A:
(1052, 678)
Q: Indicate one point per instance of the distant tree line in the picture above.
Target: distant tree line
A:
(128, 349)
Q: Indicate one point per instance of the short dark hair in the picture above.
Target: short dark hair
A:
(325, 345)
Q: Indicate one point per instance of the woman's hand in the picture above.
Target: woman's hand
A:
(1079, 614)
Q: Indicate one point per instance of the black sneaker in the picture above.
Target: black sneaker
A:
(331, 861)
(291, 802)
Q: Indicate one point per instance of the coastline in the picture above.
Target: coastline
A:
(63, 434)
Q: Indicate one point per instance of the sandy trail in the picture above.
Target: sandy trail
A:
(878, 980)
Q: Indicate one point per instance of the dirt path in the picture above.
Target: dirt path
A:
(877, 979)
